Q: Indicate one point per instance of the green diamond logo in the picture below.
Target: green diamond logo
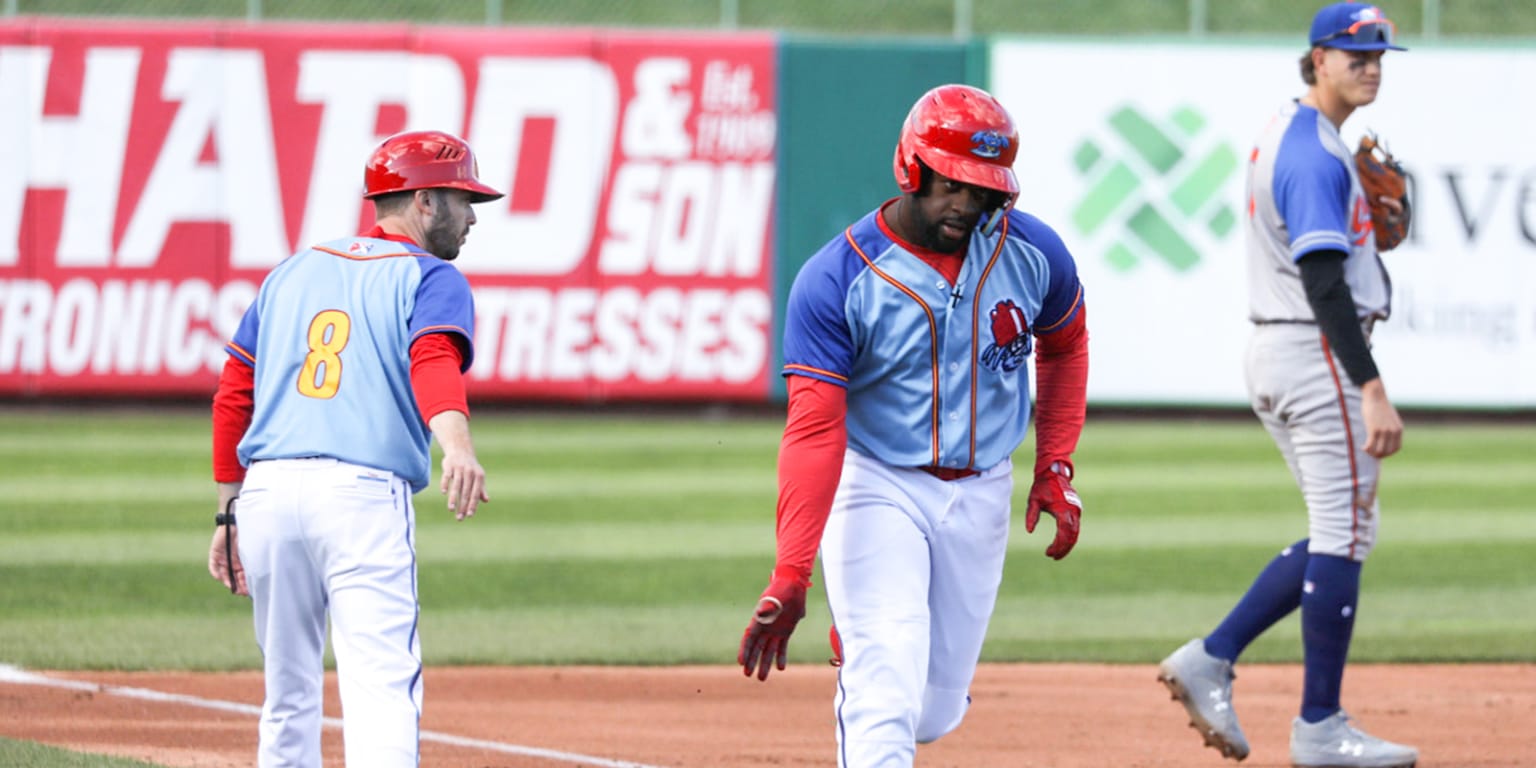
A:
(1154, 188)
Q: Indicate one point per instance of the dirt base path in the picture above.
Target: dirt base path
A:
(1046, 715)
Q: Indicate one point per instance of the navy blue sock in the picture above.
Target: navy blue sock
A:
(1328, 605)
(1274, 594)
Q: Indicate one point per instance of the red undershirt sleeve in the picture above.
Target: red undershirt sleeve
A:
(810, 465)
(1061, 391)
(233, 404)
(436, 378)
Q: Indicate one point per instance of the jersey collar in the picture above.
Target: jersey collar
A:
(378, 232)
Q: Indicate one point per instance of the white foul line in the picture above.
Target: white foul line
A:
(14, 674)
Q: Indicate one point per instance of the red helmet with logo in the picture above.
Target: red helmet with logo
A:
(962, 133)
(424, 160)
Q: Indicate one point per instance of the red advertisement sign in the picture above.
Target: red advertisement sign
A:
(151, 174)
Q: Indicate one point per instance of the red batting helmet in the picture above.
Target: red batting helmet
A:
(962, 133)
(423, 160)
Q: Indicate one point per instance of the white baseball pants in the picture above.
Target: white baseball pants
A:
(321, 536)
(912, 566)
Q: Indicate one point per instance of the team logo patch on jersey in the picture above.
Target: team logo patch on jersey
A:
(359, 247)
(988, 144)
(1361, 228)
(1011, 340)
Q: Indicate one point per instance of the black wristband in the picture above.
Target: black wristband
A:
(227, 517)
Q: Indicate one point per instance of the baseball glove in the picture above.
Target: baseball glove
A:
(1382, 176)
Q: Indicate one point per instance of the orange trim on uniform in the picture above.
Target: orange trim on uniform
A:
(933, 334)
(976, 334)
(1349, 439)
(819, 371)
(1076, 302)
(365, 257)
(242, 353)
(439, 329)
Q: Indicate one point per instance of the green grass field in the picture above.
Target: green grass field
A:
(622, 539)
(619, 539)
(23, 754)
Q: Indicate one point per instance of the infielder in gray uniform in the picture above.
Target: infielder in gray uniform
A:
(1316, 287)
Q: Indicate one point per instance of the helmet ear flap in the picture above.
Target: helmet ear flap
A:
(912, 175)
(910, 169)
(921, 173)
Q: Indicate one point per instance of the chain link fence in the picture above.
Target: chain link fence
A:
(1429, 19)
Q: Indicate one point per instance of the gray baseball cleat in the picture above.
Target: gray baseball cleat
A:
(1336, 743)
(1203, 684)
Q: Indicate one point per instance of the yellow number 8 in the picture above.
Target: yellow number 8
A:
(328, 334)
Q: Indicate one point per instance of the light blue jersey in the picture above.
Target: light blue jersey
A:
(936, 374)
(329, 338)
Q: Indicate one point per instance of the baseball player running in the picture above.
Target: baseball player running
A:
(1316, 287)
(905, 345)
(350, 359)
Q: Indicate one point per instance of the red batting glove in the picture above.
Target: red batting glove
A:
(766, 638)
(1052, 493)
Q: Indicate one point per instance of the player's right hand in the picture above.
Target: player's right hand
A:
(765, 642)
(1383, 425)
(463, 478)
(463, 482)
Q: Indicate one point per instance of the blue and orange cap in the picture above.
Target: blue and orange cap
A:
(1354, 27)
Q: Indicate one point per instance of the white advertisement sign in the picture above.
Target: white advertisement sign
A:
(1135, 153)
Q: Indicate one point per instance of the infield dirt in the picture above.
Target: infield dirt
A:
(1022, 716)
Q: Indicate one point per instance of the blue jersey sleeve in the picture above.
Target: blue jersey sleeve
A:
(242, 346)
(1312, 190)
(817, 339)
(1064, 292)
(444, 304)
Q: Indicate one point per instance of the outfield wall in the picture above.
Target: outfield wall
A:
(665, 187)
(151, 173)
